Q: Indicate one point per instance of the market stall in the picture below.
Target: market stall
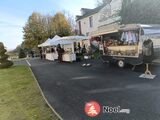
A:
(48, 50)
(69, 45)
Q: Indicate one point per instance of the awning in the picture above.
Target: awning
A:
(105, 29)
(98, 33)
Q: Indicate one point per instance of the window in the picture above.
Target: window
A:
(80, 30)
(91, 21)
(151, 30)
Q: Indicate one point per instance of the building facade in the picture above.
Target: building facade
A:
(93, 20)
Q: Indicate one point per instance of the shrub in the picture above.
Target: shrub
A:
(4, 62)
(21, 53)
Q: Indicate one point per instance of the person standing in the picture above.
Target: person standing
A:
(41, 54)
(32, 54)
(60, 52)
(87, 55)
(79, 48)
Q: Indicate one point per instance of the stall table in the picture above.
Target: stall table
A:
(51, 56)
(69, 57)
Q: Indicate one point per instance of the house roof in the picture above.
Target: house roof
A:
(90, 12)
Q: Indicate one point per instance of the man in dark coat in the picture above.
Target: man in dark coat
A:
(60, 52)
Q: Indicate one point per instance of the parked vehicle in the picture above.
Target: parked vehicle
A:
(133, 43)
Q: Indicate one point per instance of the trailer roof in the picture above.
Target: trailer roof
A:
(115, 28)
(136, 26)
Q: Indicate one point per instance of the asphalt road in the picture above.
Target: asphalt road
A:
(68, 86)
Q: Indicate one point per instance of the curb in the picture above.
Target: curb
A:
(44, 96)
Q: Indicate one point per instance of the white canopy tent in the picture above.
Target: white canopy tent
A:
(46, 43)
(68, 40)
(67, 44)
(49, 41)
(62, 40)
(47, 48)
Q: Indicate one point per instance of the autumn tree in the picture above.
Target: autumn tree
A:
(71, 21)
(49, 25)
(21, 53)
(41, 27)
(61, 25)
(34, 31)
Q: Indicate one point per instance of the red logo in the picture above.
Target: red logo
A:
(92, 108)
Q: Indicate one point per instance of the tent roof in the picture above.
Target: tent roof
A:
(46, 43)
(63, 40)
(49, 41)
(75, 38)
(69, 40)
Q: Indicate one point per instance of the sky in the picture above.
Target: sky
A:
(14, 14)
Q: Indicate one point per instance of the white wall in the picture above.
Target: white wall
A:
(115, 5)
(85, 25)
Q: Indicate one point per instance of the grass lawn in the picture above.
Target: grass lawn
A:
(20, 98)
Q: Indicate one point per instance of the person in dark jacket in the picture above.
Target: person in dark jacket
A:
(41, 55)
(83, 49)
(87, 55)
(60, 52)
(79, 48)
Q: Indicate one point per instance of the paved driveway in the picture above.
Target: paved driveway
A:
(68, 86)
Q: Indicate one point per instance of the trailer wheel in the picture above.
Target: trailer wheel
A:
(120, 63)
